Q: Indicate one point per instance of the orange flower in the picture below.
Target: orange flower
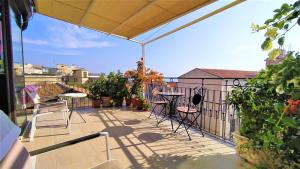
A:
(294, 108)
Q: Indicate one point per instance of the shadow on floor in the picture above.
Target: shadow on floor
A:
(132, 122)
(218, 161)
(118, 131)
(150, 137)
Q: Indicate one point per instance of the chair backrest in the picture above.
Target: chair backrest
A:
(155, 92)
(198, 97)
(32, 93)
(12, 152)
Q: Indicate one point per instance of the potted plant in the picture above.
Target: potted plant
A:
(117, 87)
(268, 107)
(146, 105)
(99, 92)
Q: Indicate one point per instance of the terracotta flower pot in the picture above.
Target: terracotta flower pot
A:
(134, 102)
(262, 157)
(106, 101)
(96, 103)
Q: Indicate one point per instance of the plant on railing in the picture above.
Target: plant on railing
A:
(269, 111)
(152, 76)
(268, 105)
(285, 18)
(139, 78)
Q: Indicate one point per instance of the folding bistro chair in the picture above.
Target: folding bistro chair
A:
(156, 102)
(13, 155)
(194, 109)
(41, 109)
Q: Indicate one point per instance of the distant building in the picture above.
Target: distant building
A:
(79, 76)
(219, 83)
(63, 69)
(18, 69)
(282, 56)
(49, 70)
(33, 69)
(93, 77)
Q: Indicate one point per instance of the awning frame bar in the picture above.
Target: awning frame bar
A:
(86, 12)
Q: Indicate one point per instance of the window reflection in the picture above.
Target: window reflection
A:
(18, 64)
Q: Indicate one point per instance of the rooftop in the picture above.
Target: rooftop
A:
(226, 73)
(136, 142)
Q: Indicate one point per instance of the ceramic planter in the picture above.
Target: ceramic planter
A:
(264, 158)
(106, 101)
(96, 103)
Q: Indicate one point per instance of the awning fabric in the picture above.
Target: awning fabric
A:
(125, 18)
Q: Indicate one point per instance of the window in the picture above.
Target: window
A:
(18, 67)
(84, 74)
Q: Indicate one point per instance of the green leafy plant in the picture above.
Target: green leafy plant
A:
(98, 88)
(116, 86)
(269, 111)
(285, 18)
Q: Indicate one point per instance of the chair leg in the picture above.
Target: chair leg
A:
(195, 120)
(33, 127)
(181, 122)
(164, 109)
(152, 111)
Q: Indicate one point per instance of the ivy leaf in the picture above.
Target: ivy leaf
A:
(286, 26)
(296, 4)
(295, 81)
(267, 22)
(277, 10)
(280, 24)
(277, 16)
(274, 54)
(272, 32)
(285, 7)
(267, 44)
(281, 40)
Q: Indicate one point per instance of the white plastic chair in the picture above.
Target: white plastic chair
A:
(41, 109)
(13, 155)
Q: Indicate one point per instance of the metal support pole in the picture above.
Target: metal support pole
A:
(143, 56)
(144, 67)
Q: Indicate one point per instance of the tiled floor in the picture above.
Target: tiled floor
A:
(136, 142)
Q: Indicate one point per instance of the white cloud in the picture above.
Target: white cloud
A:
(70, 36)
(35, 42)
(62, 53)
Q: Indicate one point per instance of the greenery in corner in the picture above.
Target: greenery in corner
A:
(268, 104)
(285, 18)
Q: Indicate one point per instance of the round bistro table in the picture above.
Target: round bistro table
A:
(72, 96)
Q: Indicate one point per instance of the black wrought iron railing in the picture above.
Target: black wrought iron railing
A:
(219, 119)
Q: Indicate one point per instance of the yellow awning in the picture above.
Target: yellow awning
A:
(125, 18)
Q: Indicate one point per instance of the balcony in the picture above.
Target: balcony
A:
(135, 139)
(136, 142)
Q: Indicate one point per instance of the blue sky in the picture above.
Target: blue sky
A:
(223, 41)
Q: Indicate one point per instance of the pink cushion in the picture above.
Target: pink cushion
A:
(17, 158)
(9, 133)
